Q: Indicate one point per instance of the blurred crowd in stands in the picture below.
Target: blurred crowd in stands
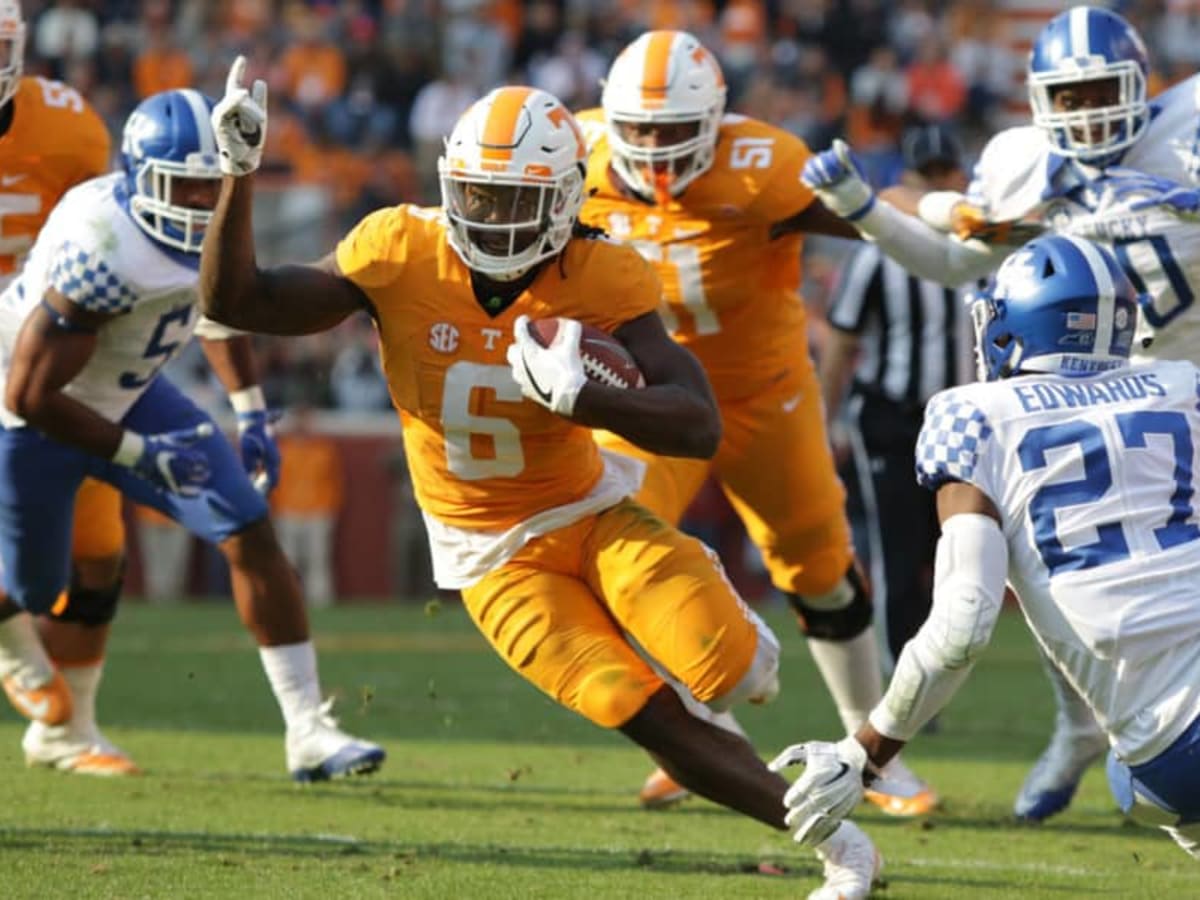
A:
(362, 92)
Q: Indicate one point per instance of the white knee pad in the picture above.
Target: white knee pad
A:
(760, 684)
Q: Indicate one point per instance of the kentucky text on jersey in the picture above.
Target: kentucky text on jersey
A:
(1037, 397)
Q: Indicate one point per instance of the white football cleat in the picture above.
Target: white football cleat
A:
(851, 864)
(319, 750)
(1054, 778)
(70, 748)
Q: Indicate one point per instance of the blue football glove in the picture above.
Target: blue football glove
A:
(168, 460)
(260, 451)
(1183, 202)
(1151, 191)
(836, 177)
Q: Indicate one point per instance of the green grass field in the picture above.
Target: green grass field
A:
(491, 791)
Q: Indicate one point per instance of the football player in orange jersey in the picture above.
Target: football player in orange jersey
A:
(716, 203)
(51, 140)
(526, 515)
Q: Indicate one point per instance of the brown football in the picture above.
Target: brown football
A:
(605, 359)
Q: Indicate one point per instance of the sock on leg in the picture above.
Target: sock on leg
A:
(84, 682)
(852, 675)
(22, 655)
(292, 671)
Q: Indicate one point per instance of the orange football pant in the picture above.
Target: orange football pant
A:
(775, 467)
(560, 610)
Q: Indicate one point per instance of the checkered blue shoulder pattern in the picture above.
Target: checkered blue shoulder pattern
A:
(951, 439)
(83, 277)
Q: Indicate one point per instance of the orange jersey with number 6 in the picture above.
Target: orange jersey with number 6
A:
(55, 141)
(482, 457)
(732, 292)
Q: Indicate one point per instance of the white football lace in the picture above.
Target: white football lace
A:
(603, 373)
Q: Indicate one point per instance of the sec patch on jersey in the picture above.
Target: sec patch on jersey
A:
(605, 359)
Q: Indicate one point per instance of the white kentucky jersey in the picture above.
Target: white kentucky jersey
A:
(96, 256)
(1021, 178)
(1094, 481)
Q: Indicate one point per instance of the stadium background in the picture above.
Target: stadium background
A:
(362, 92)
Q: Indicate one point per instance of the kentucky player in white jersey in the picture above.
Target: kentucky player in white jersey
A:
(1099, 162)
(106, 298)
(1069, 472)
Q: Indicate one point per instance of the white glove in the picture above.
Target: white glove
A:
(240, 122)
(836, 178)
(552, 376)
(827, 792)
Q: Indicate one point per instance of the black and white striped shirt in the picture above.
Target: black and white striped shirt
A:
(914, 332)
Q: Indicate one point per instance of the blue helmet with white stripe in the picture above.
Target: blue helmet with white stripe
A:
(1086, 44)
(168, 137)
(1059, 304)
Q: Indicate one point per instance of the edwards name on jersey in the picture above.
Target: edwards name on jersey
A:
(1093, 478)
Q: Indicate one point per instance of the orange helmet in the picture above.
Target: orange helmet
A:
(664, 78)
(512, 181)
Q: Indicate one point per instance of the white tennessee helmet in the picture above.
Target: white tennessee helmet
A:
(12, 49)
(666, 80)
(512, 181)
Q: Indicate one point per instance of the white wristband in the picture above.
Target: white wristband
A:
(129, 451)
(248, 400)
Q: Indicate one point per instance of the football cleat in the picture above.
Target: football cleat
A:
(72, 749)
(661, 791)
(901, 793)
(48, 702)
(1055, 777)
(320, 751)
(851, 864)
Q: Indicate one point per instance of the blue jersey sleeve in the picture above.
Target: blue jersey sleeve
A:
(953, 437)
(83, 277)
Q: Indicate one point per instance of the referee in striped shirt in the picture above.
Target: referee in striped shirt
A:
(895, 340)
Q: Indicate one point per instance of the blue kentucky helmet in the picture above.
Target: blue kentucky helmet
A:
(1087, 44)
(169, 136)
(1059, 304)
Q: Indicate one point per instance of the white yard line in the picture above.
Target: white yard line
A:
(994, 866)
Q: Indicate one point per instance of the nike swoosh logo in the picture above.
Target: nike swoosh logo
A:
(537, 388)
(844, 768)
(10, 180)
(34, 710)
(790, 404)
